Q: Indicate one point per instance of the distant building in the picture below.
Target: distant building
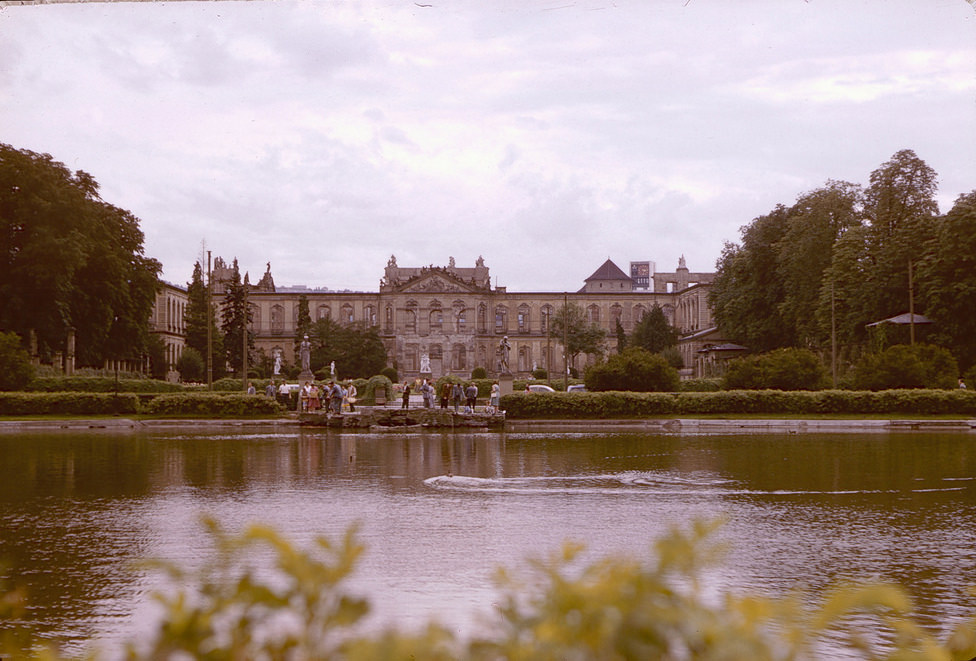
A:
(454, 315)
(641, 273)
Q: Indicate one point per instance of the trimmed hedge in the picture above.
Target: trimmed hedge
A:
(99, 384)
(213, 404)
(634, 405)
(67, 403)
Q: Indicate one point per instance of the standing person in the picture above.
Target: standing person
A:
(303, 397)
(962, 384)
(351, 393)
(428, 392)
(445, 394)
(495, 398)
(327, 396)
(471, 393)
(457, 394)
(406, 395)
(284, 393)
(337, 395)
(314, 401)
(250, 389)
(269, 391)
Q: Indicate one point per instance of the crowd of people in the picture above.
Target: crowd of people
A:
(462, 398)
(334, 397)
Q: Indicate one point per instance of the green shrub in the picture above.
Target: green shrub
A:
(635, 370)
(612, 404)
(673, 356)
(213, 404)
(100, 384)
(390, 373)
(701, 385)
(68, 403)
(782, 369)
(191, 365)
(905, 366)
(378, 383)
(969, 378)
(479, 373)
(16, 370)
(540, 373)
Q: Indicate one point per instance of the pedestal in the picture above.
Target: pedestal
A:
(505, 384)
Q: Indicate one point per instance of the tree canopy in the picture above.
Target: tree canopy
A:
(70, 261)
(571, 328)
(840, 256)
(357, 350)
(653, 332)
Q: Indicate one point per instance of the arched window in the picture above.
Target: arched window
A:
(593, 314)
(459, 357)
(616, 314)
(277, 319)
(523, 318)
(547, 313)
(410, 320)
(639, 312)
(524, 359)
(348, 316)
(436, 319)
(482, 319)
(323, 312)
(369, 315)
(389, 318)
(501, 319)
(461, 316)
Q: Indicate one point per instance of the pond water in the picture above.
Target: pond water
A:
(439, 513)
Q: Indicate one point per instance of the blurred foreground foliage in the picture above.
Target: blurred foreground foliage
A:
(233, 607)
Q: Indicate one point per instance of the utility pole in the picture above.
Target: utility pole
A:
(548, 313)
(565, 342)
(244, 340)
(911, 305)
(833, 336)
(209, 325)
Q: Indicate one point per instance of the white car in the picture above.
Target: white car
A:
(576, 387)
(538, 387)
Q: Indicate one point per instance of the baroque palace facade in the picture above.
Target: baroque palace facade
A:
(456, 318)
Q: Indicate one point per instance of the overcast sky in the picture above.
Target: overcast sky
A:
(545, 136)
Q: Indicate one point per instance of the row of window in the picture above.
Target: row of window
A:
(458, 320)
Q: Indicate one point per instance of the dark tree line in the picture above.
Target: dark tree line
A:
(70, 260)
(839, 258)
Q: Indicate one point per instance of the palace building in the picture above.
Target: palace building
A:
(454, 316)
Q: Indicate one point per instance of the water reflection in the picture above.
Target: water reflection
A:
(439, 512)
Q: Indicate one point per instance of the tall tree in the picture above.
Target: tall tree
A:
(236, 319)
(747, 291)
(69, 260)
(653, 333)
(816, 221)
(618, 330)
(571, 328)
(947, 280)
(197, 314)
(901, 210)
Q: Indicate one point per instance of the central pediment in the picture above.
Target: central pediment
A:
(431, 283)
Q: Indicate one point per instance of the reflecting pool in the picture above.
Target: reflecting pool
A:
(438, 512)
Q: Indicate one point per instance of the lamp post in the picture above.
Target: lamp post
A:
(209, 325)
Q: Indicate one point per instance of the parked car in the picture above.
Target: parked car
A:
(576, 387)
(539, 387)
